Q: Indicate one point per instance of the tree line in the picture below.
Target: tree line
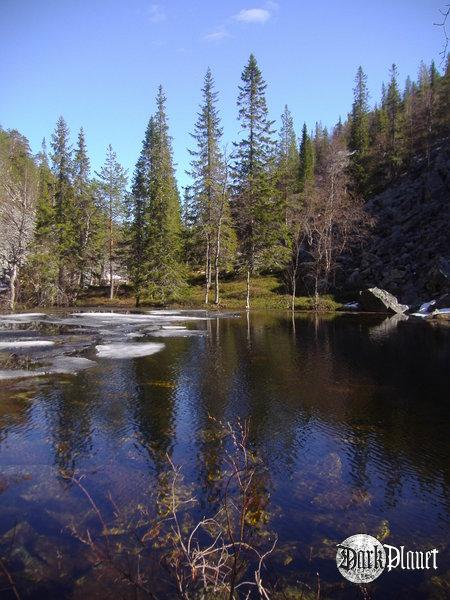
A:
(272, 201)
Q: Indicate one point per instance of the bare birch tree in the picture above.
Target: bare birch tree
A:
(18, 195)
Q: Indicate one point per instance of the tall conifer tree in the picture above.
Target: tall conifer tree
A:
(359, 132)
(63, 195)
(138, 204)
(257, 209)
(163, 217)
(288, 160)
(113, 181)
(306, 160)
(210, 208)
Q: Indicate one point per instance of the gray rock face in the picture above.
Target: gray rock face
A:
(407, 252)
(378, 300)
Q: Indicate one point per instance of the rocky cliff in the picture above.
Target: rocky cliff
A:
(407, 251)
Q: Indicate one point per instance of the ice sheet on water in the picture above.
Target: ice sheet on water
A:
(70, 364)
(25, 344)
(61, 365)
(177, 333)
(123, 350)
(174, 327)
(19, 374)
(23, 316)
(425, 307)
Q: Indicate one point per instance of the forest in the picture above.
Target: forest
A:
(289, 202)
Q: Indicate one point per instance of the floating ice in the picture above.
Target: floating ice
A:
(174, 327)
(70, 364)
(124, 350)
(19, 374)
(62, 365)
(425, 307)
(26, 344)
(23, 316)
(176, 333)
(352, 305)
(119, 318)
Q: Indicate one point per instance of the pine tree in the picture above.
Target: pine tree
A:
(163, 218)
(257, 209)
(359, 133)
(306, 160)
(63, 194)
(113, 181)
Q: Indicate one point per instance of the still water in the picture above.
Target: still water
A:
(350, 415)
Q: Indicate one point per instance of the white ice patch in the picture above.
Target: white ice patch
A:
(351, 305)
(164, 312)
(19, 374)
(23, 316)
(62, 365)
(425, 307)
(106, 317)
(176, 333)
(26, 344)
(174, 327)
(124, 350)
(70, 364)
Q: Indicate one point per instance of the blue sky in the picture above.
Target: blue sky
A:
(99, 62)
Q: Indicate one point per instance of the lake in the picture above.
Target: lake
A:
(348, 414)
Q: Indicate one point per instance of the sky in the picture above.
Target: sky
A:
(99, 62)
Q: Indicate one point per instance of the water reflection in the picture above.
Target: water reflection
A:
(350, 415)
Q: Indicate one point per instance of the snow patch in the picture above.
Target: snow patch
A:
(124, 350)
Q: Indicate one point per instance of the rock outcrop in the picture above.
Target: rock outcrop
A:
(377, 300)
(408, 249)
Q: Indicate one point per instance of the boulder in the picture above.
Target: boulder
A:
(378, 300)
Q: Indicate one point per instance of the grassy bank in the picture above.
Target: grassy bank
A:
(267, 292)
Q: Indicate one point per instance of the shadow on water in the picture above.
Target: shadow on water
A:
(349, 413)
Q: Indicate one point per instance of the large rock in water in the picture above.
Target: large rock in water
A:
(378, 300)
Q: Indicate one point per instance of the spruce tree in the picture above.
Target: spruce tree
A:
(209, 207)
(359, 133)
(45, 209)
(63, 195)
(84, 209)
(138, 203)
(393, 109)
(163, 216)
(287, 161)
(113, 181)
(257, 209)
(306, 160)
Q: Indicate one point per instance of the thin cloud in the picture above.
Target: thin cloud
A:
(216, 36)
(157, 13)
(253, 15)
